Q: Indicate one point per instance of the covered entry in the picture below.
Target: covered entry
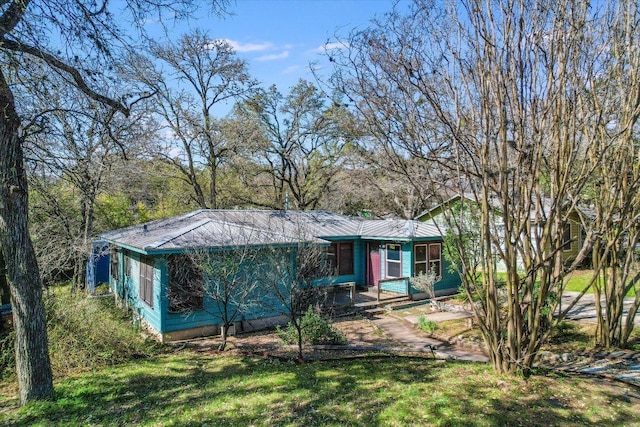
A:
(373, 263)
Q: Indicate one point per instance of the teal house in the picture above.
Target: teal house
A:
(147, 261)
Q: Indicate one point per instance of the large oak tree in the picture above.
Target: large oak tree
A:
(74, 39)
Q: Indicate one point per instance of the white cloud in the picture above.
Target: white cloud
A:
(249, 47)
(291, 69)
(274, 56)
(332, 46)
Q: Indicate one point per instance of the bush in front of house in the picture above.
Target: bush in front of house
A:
(315, 330)
(87, 332)
(84, 333)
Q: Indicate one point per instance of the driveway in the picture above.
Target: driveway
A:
(585, 309)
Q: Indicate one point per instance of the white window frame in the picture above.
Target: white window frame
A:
(393, 261)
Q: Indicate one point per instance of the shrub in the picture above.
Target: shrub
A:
(7, 355)
(87, 332)
(315, 330)
(425, 282)
(84, 333)
(427, 326)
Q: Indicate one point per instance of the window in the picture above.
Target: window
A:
(127, 264)
(185, 284)
(340, 258)
(566, 237)
(394, 263)
(435, 259)
(146, 280)
(421, 259)
(428, 256)
(114, 258)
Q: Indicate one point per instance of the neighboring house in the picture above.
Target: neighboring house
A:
(573, 233)
(364, 252)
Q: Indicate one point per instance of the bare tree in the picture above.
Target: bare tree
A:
(191, 81)
(229, 279)
(290, 285)
(614, 192)
(74, 40)
(70, 148)
(299, 144)
(490, 94)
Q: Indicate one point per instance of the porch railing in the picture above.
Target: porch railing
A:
(397, 285)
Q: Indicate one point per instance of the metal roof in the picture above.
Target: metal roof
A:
(228, 228)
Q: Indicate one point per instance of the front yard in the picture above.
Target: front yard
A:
(191, 388)
(257, 383)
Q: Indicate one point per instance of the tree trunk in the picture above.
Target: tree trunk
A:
(223, 334)
(299, 331)
(32, 357)
(84, 252)
(213, 173)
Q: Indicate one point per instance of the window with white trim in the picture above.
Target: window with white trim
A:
(435, 258)
(393, 260)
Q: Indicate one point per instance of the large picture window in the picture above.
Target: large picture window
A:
(394, 260)
(185, 284)
(340, 258)
(146, 280)
(428, 257)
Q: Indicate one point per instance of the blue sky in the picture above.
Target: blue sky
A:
(280, 38)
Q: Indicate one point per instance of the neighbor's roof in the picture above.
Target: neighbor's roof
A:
(228, 228)
(546, 203)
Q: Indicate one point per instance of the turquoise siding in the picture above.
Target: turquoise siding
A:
(163, 321)
(129, 287)
(211, 313)
(398, 286)
(359, 267)
(448, 284)
(450, 281)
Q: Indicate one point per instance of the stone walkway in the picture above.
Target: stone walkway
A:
(622, 365)
(409, 337)
(584, 309)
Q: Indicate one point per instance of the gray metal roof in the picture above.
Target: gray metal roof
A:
(228, 228)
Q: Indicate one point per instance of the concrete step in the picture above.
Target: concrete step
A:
(374, 311)
(381, 303)
(409, 304)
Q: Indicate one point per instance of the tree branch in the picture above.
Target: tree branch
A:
(12, 15)
(73, 72)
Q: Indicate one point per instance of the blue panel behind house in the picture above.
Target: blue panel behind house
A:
(98, 265)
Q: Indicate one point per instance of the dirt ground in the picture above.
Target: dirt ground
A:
(359, 331)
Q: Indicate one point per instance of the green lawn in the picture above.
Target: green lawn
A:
(580, 278)
(196, 389)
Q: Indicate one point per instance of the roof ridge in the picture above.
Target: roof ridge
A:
(180, 232)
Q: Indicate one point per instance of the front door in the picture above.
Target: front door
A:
(373, 264)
